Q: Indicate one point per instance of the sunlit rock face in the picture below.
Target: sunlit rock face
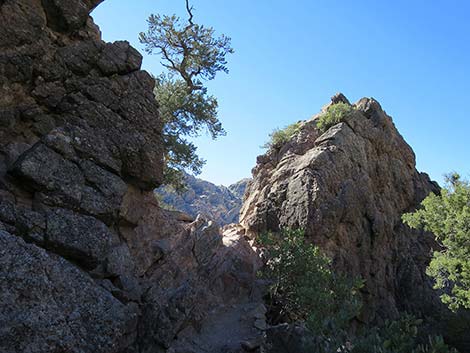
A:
(220, 203)
(348, 187)
(88, 260)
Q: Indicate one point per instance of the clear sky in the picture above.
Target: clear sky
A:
(291, 56)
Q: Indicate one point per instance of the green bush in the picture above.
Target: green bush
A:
(399, 336)
(280, 136)
(394, 337)
(436, 345)
(335, 114)
(448, 216)
(304, 287)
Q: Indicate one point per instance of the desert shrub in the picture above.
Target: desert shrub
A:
(280, 136)
(394, 337)
(335, 114)
(435, 345)
(399, 336)
(303, 286)
(447, 216)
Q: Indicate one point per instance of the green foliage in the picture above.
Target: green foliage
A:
(191, 52)
(399, 336)
(448, 216)
(435, 345)
(335, 114)
(280, 136)
(304, 287)
(394, 337)
(185, 114)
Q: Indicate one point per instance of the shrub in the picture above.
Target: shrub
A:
(399, 336)
(304, 287)
(394, 337)
(448, 216)
(160, 199)
(335, 114)
(436, 345)
(280, 136)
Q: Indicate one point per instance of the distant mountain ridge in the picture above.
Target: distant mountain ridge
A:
(218, 202)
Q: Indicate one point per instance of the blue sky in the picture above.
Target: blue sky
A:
(412, 56)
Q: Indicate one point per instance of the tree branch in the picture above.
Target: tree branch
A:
(167, 57)
(189, 10)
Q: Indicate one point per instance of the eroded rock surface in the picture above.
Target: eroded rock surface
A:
(49, 305)
(348, 188)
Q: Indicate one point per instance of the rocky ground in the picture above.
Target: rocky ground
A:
(90, 262)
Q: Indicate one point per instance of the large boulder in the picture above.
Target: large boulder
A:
(71, 96)
(49, 305)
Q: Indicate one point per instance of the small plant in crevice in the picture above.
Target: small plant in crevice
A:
(279, 137)
(334, 114)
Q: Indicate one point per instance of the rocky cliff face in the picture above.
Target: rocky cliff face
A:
(239, 188)
(220, 203)
(348, 188)
(88, 261)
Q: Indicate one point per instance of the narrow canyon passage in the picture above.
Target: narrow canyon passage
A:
(91, 260)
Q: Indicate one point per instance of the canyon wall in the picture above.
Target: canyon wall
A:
(88, 260)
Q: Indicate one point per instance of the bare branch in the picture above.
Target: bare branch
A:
(189, 10)
(167, 57)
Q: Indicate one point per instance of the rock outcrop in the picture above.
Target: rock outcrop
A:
(220, 203)
(88, 260)
(195, 279)
(239, 188)
(347, 188)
